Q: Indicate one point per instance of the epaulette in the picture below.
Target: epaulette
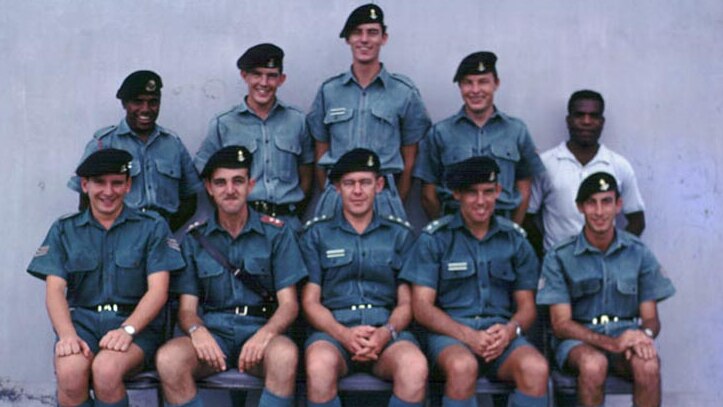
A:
(437, 224)
(70, 215)
(398, 220)
(404, 79)
(195, 225)
(565, 242)
(337, 76)
(512, 225)
(316, 219)
(272, 221)
(104, 131)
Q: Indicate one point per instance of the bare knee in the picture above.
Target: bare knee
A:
(322, 371)
(645, 370)
(410, 374)
(173, 361)
(593, 368)
(282, 357)
(107, 377)
(73, 382)
(532, 373)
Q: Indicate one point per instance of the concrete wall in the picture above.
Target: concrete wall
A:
(658, 63)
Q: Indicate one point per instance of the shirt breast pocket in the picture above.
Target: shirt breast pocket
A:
(506, 155)
(458, 284)
(287, 152)
(339, 122)
(215, 281)
(335, 263)
(83, 278)
(585, 287)
(260, 269)
(167, 183)
(627, 303)
(382, 134)
(130, 274)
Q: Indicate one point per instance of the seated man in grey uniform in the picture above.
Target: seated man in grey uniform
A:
(368, 107)
(241, 271)
(164, 179)
(273, 131)
(106, 270)
(473, 277)
(353, 300)
(603, 287)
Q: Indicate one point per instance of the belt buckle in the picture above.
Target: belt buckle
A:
(604, 319)
(107, 307)
(243, 311)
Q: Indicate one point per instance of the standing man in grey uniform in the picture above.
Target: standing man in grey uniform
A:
(106, 271)
(274, 132)
(368, 107)
(553, 193)
(164, 180)
(603, 287)
(478, 129)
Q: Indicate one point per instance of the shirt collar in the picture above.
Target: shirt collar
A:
(243, 107)
(383, 77)
(253, 223)
(341, 223)
(603, 154)
(124, 128)
(496, 115)
(582, 245)
(86, 218)
(458, 223)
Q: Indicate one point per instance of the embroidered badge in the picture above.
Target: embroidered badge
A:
(337, 111)
(42, 251)
(173, 244)
(334, 253)
(458, 266)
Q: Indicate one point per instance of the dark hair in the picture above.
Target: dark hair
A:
(586, 94)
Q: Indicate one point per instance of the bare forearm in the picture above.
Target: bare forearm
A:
(430, 201)
(323, 320)
(282, 319)
(438, 321)
(59, 314)
(572, 330)
(148, 307)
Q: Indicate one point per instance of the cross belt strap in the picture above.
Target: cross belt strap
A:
(247, 279)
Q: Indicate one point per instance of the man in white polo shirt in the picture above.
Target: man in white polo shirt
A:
(553, 192)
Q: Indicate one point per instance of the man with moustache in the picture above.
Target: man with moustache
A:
(106, 271)
(603, 286)
(353, 300)
(368, 107)
(553, 193)
(273, 131)
(241, 271)
(478, 129)
(164, 179)
(473, 277)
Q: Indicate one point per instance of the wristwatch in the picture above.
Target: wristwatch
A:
(130, 329)
(649, 333)
(392, 331)
(193, 328)
(518, 328)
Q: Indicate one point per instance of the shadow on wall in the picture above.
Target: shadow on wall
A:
(14, 395)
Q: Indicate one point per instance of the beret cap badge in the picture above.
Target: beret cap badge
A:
(604, 186)
(370, 161)
(481, 67)
(151, 86)
(372, 14)
(241, 157)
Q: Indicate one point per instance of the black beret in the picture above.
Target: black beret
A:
(368, 13)
(227, 157)
(475, 64)
(140, 82)
(105, 161)
(597, 182)
(358, 159)
(262, 55)
(475, 170)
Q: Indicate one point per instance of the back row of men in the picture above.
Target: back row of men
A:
(473, 274)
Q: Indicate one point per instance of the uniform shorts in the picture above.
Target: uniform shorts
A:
(563, 347)
(92, 325)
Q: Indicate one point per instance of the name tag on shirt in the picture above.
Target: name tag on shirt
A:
(334, 253)
(337, 111)
(458, 266)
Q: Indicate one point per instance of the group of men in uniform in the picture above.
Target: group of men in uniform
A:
(471, 280)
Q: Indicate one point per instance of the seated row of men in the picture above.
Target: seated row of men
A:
(366, 107)
(469, 280)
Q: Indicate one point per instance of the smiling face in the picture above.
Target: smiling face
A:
(585, 122)
(600, 210)
(142, 112)
(477, 203)
(366, 41)
(478, 92)
(229, 188)
(262, 84)
(357, 191)
(106, 194)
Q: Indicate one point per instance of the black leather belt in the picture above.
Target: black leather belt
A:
(272, 209)
(117, 308)
(264, 311)
(605, 319)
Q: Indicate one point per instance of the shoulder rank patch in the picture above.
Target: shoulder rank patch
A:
(315, 220)
(519, 229)
(173, 244)
(437, 224)
(334, 253)
(195, 225)
(397, 219)
(42, 251)
(272, 221)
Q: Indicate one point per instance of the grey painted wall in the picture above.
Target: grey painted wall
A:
(658, 63)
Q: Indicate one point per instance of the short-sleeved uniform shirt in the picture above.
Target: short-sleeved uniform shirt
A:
(457, 138)
(554, 192)
(162, 169)
(473, 277)
(596, 283)
(382, 117)
(106, 267)
(265, 248)
(279, 144)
